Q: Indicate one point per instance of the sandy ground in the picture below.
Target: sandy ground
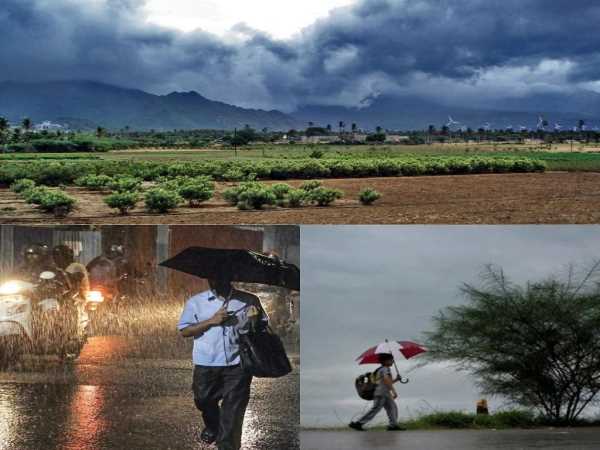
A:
(553, 197)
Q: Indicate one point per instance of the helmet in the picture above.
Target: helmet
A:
(115, 251)
(36, 253)
(63, 255)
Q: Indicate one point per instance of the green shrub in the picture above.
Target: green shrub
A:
(197, 191)
(316, 154)
(232, 194)
(280, 190)
(234, 174)
(22, 185)
(35, 195)
(449, 419)
(123, 201)
(255, 197)
(484, 421)
(57, 202)
(310, 185)
(161, 200)
(514, 418)
(324, 196)
(368, 196)
(126, 184)
(94, 182)
(296, 198)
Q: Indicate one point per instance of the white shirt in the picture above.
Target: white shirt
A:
(218, 346)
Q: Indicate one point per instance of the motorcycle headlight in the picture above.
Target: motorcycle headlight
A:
(17, 309)
(94, 297)
(10, 288)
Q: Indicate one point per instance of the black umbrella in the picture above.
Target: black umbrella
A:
(236, 265)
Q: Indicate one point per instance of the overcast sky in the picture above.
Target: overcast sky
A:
(280, 54)
(281, 19)
(361, 285)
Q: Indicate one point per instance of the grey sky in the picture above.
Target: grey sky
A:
(462, 51)
(362, 284)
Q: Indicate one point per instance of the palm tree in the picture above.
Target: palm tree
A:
(26, 124)
(99, 132)
(342, 125)
(311, 124)
(378, 129)
(3, 128)
(354, 128)
(329, 127)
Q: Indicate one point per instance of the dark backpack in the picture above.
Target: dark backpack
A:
(365, 387)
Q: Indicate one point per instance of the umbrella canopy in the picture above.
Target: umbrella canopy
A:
(236, 265)
(408, 349)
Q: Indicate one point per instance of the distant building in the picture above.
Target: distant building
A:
(396, 139)
(48, 126)
(359, 137)
(325, 139)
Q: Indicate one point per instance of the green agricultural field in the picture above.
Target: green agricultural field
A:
(66, 172)
(585, 158)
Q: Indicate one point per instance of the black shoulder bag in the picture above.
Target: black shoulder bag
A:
(262, 353)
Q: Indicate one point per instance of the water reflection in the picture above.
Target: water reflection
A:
(8, 418)
(86, 421)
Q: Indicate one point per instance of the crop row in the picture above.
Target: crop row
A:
(66, 172)
(125, 193)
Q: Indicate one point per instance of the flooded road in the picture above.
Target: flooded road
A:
(547, 439)
(114, 398)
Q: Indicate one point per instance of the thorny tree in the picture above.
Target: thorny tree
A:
(537, 345)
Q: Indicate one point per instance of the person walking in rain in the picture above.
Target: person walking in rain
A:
(215, 319)
(384, 396)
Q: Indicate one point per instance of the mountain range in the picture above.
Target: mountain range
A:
(87, 104)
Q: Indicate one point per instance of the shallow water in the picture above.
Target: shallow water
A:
(111, 398)
(548, 439)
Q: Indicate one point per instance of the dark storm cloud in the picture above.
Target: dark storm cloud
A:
(375, 46)
(363, 284)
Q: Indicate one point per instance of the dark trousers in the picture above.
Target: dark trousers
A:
(231, 387)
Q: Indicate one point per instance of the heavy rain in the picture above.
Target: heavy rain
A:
(128, 385)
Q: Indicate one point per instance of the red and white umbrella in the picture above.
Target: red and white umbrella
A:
(407, 349)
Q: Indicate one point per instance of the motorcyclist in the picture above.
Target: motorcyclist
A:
(107, 271)
(116, 253)
(77, 273)
(35, 261)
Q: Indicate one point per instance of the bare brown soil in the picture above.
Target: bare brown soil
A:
(553, 197)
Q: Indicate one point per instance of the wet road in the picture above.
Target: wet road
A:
(124, 401)
(547, 439)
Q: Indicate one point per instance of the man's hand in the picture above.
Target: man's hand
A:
(394, 395)
(198, 329)
(220, 316)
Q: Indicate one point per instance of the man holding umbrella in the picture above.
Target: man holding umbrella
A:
(384, 397)
(215, 319)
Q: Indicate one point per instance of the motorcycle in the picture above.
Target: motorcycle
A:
(106, 282)
(41, 317)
